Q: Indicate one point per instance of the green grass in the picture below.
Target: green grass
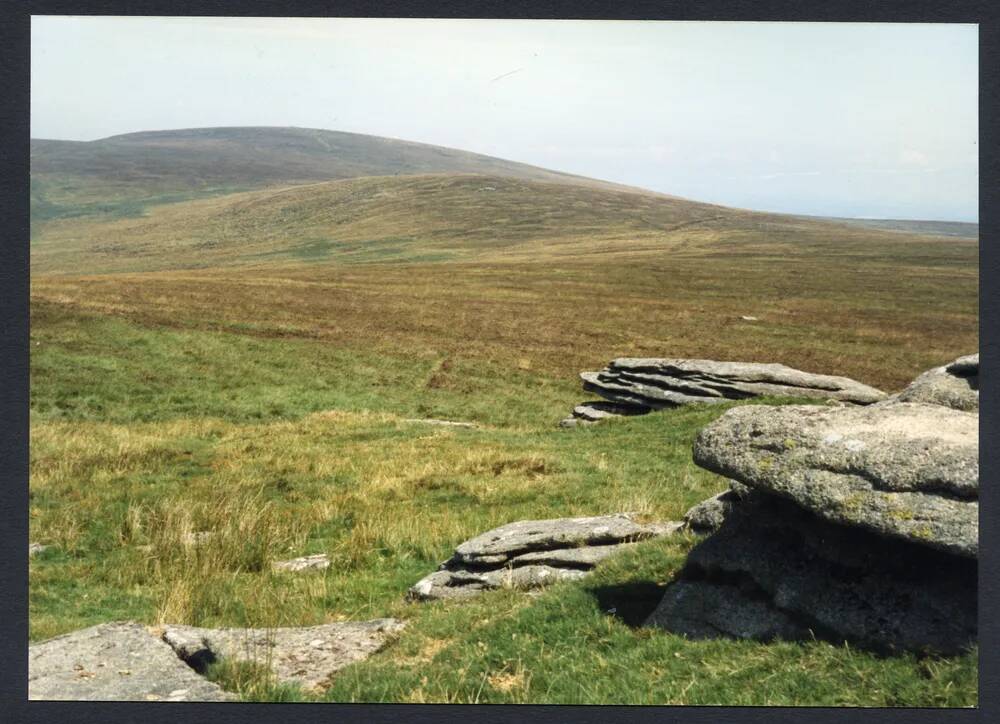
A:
(88, 367)
(568, 647)
(282, 447)
(482, 218)
(252, 681)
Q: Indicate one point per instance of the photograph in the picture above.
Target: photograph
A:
(503, 361)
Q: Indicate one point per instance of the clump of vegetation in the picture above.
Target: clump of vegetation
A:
(252, 681)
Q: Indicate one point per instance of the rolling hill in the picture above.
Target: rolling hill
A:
(371, 219)
(196, 198)
(122, 175)
(437, 217)
(391, 257)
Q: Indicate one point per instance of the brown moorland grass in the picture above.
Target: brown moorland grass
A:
(487, 219)
(550, 277)
(879, 315)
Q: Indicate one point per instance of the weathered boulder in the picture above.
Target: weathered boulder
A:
(638, 385)
(853, 523)
(966, 366)
(533, 553)
(308, 656)
(904, 470)
(772, 570)
(114, 662)
(954, 385)
(702, 609)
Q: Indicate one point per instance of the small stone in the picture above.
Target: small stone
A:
(709, 514)
(198, 537)
(443, 423)
(318, 562)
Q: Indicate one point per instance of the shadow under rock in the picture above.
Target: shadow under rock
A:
(631, 602)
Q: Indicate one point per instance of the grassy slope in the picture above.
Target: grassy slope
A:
(383, 218)
(447, 218)
(122, 175)
(286, 447)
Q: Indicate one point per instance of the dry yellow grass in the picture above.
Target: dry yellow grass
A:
(880, 315)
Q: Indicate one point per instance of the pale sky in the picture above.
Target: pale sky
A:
(839, 119)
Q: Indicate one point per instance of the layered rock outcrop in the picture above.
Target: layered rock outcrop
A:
(857, 524)
(637, 386)
(533, 553)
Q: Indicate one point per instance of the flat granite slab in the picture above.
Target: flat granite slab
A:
(307, 656)
(120, 661)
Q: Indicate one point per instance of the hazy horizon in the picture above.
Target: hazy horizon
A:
(823, 119)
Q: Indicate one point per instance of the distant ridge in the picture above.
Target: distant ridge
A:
(441, 217)
(958, 229)
(259, 156)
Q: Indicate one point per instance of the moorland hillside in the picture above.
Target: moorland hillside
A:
(123, 174)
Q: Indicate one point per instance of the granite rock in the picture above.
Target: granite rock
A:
(308, 656)
(120, 661)
(903, 470)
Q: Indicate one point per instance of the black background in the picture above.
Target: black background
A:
(14, 287)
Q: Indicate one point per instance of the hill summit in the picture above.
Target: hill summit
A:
(75, 178)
